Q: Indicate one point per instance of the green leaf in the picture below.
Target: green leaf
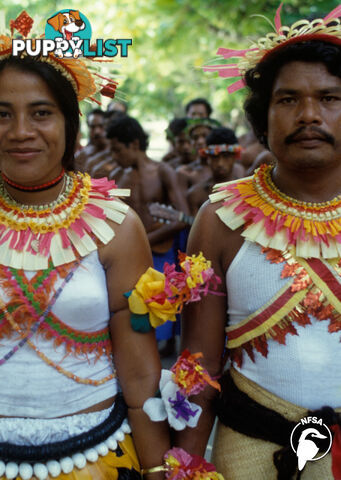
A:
(140, 323)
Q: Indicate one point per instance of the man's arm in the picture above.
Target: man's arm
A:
(136, 357)
(203, 326)
(203, 323)
(174, 193)
(197, 196)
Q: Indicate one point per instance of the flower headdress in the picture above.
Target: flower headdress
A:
(80, 73)
(327, 29)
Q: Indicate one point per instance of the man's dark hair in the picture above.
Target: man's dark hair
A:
(261, 79)
(95, 111)
(62, 91)
(126, 129)
(175, 127)
(221, 135)
(197, 101)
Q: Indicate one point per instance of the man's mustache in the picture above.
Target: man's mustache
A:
(321, 134)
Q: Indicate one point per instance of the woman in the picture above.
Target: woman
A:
(69, 252)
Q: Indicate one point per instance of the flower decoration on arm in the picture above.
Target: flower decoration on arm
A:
(158, 297)
(180, 465)
(190, 375)
(186, 377)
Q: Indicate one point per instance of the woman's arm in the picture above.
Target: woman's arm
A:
(136, 357)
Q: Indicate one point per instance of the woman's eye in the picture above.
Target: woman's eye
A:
(42, 113)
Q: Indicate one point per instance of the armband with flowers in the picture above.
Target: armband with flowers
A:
(159, 296)
(180, 465)
(186, 377)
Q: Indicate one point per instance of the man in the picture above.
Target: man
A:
(274, 239)
(221, 153)
(97, 139)
(198, 108)
(198, 170)
(182, 151)
(116, 107)
(152, 181)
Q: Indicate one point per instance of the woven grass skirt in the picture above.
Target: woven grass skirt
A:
(239, 457)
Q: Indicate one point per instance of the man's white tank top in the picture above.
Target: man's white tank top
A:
(307, 369)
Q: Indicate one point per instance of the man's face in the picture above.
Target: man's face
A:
(96, 124)
(124, 155)
(182, 144)
(197, 110)
(304, 118)
(221, 165)
(198, 136)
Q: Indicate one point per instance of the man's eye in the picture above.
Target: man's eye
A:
(286, 100)
(4, 114)
(330, 98)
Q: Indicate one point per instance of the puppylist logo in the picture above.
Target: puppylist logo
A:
(68, 34)
(311, 440)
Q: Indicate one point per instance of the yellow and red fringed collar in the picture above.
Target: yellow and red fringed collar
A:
(63, 229)
(274, 220)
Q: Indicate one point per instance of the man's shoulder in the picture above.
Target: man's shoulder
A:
(208, 219)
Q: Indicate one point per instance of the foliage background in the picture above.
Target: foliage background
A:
(171, 40)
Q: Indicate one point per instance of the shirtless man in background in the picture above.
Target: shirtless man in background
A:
(152, 181)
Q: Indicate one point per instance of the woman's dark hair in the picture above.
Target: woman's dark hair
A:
(221, 135)
(62, 91)
(126, 129)
(260, 79)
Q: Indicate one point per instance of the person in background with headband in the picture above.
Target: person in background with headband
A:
(275, 241)
(221, 154)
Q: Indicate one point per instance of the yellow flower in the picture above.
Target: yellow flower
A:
(198, 264)
(152, 284)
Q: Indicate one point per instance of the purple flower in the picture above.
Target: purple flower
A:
(182, 407)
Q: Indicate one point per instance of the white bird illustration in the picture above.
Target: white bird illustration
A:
(307, 449)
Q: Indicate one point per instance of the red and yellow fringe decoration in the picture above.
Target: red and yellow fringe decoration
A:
(314, 290)
(274, 220)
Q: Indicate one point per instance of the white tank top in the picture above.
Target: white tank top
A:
(306, 371)
(31, 388)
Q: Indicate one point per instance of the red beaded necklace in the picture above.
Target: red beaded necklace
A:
(35, 188)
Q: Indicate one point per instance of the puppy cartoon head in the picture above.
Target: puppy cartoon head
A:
(67, 23)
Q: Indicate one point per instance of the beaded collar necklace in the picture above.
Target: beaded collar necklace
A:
(275, 220)
(30, 234)
(35, 188)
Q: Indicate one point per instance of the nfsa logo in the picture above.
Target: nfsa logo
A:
(311, 440)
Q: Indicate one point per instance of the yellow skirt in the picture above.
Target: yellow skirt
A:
(239, 457)
(105, 468)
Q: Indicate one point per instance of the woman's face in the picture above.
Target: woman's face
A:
(32, 129)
